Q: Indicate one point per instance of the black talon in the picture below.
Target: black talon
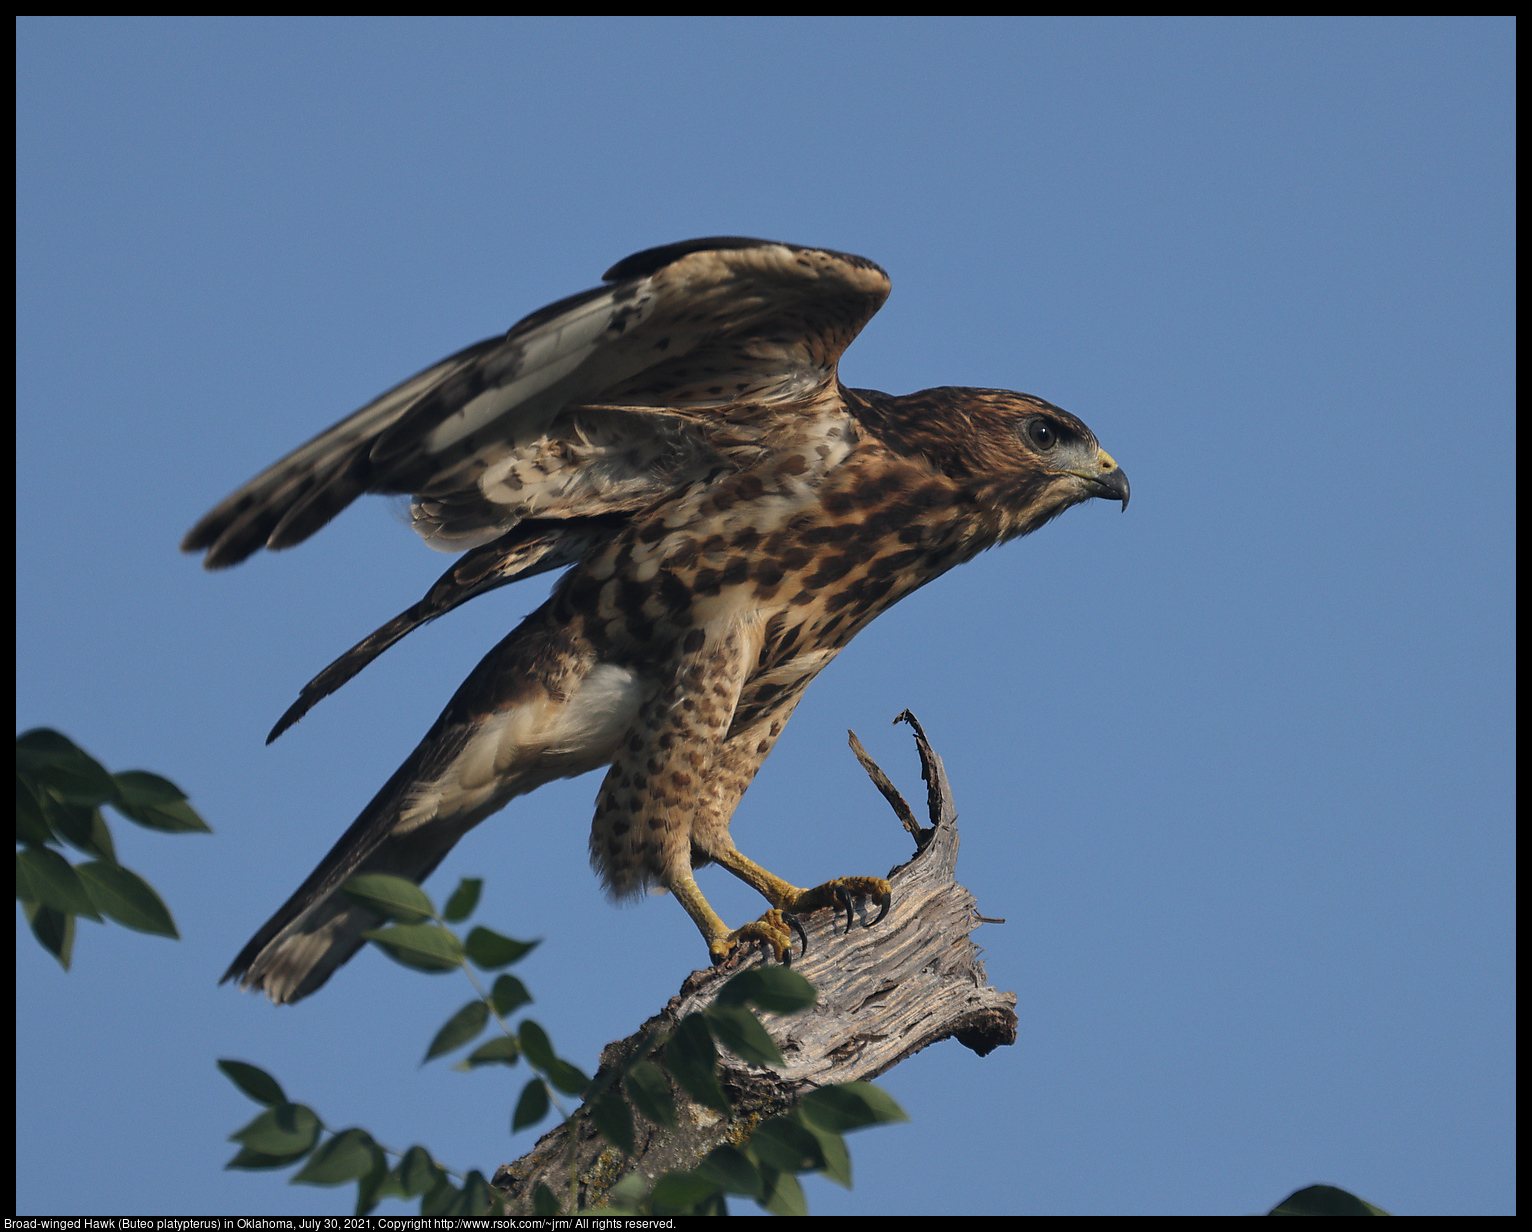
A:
(803, 936)
(884, 904)
(844, 897)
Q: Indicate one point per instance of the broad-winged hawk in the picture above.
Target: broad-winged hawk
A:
(730, 516)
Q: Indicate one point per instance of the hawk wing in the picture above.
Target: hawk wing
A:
(597, 405)
(533, 547)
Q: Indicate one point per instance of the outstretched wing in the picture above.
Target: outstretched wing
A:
(598, 404)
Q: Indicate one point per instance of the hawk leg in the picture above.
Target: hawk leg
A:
(665, 806)
(773, 928)
(787, 901)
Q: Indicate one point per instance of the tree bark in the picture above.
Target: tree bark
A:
(885, 992)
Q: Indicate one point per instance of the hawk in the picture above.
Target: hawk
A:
(730, 516)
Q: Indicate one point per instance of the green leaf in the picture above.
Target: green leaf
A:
(614, 1121)
(544, 1202)
(254, 1161)
(127, 898)
(53, 929)
(837, 1160)
(509, 995)
(53, 761)
(777, 990)
(455, 1207)
(850, 1105)
(732, 1170)
(464, 899)
(1325, 1200)
(442, 1198)
(377, 1184)
(693, 1063)
(417, 1173)
(625, 1196)
(394, 898)
(784, 1195)
(488, 950)
(647, 1087)
(741, 1032)
(535, 1043)
(344, 1158)
(532, 1107)
(569, 1079)
(31, 825)
(254, 1082)
(286, 1130)
(81, 826)
(478, 1195)
(423, 947)
(156, 802)
(502, 1050)
(782, 1144)
(459, 1029)
(676, 1193)
(43, 876)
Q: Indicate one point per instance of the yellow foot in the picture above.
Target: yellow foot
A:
(771, 928)
(842, 892)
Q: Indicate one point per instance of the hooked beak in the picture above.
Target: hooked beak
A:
(1108, 482)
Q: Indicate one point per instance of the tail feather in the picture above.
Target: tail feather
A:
(538, 707)
(319, 928)
(303, 951)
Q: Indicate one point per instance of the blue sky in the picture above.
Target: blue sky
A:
(1235, 766)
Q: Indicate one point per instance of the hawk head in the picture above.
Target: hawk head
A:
(1019, 460)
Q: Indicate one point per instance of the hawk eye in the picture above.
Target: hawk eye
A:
(1040, 432)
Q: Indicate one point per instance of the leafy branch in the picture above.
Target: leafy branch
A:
(764, 1167)
(60, 792)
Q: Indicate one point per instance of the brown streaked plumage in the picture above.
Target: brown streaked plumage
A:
(733, 516)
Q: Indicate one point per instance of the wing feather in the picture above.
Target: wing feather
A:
(702, 326)
(530, 549)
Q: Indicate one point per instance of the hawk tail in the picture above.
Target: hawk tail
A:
(538, 707)
(319, 928)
